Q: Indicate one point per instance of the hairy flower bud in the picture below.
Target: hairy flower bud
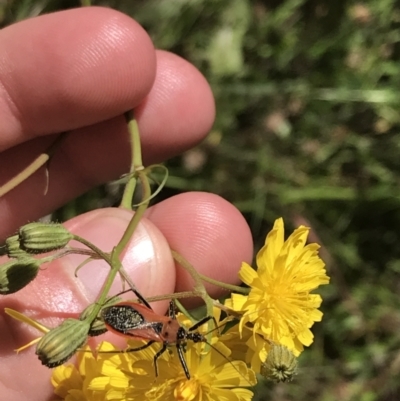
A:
(97, 327)
(60, 343)
(43, 237)
(280, 365)
(17, 273)
(13, 247)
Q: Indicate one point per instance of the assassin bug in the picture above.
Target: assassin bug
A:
(140, 322)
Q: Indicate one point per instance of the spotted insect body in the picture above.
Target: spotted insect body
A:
(137, 321)
(122, 317)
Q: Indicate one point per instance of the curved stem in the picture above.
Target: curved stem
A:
(199, 286)
(115, 265)
(40, 161)
(98, 251)
(230, 287)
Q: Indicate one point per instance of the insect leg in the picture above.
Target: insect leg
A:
(203, 321)
(140, 297)
(156, 356)
(129, 349)
(139, 348)
(171, 310)
(179, 348)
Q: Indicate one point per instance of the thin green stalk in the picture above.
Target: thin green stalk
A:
(199, 286)
(230, 287)
(113, 259)
(192, 271)
(98, 251)
(40, 161)
(136, 218)
(136, 163)
(176, 295)
(157, 298)
(183, 310)
(71, 251)
(115, 267)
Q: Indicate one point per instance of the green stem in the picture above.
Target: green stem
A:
(113, 259)
(40, 161)
(136, 218)
(70, 251)
(137, 171)
(176, 295)
(157, 298)
(115, 267)
(98, 251)
(230, 287)
(183, 310)
(199, 286)
(136, 163)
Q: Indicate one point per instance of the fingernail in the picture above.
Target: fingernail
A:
(147, 259)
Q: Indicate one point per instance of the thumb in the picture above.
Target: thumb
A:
(57, 294)
(147, 259)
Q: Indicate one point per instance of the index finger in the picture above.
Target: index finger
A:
(76, 68)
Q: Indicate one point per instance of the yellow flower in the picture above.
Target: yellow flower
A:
(68, 383)
(246, 347)
(107, 376)
(279, 306)
(131, 375)
(213, 377)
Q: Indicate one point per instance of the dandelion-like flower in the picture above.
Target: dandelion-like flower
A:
(280, 306)
(126, 376)
(109, 375)
(213, 378)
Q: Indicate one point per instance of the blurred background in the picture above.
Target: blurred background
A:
(307, 128)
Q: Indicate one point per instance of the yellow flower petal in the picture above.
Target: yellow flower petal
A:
(66, 378)
(36, 340)
(243, 394)
(247, 274)
(99, 383)
(221, 394)
(236, 301)
(25, 319)
(75, 395)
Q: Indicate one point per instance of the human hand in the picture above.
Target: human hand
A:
(79, 71)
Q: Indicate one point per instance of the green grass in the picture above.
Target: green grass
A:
(307, 128)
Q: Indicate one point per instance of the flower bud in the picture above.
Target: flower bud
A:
(97, 327)
(13, 247)
(43, 237)
(280, 365)
(17, 273)
(60, 343)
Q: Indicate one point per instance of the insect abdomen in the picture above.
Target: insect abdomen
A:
(122, 318)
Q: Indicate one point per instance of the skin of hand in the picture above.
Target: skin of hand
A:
(79, 71)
